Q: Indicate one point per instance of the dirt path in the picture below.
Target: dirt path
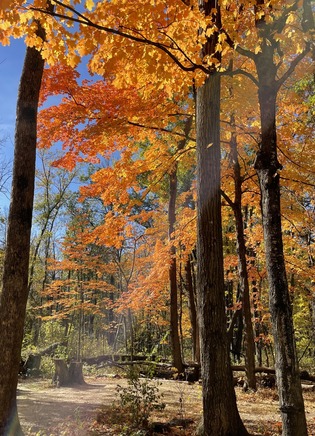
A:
(48, 411)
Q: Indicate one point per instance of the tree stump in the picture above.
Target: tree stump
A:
(32, 364)
(61, 376)
(68, 375)
(75, 373)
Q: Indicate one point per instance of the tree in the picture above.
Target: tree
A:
(169, 36)
(81, 288)
(218, 390)
(14, 293)
(52, 192)
(236, 206)
(177, 358)
(267, 167)
(141, 160)
(269, 25)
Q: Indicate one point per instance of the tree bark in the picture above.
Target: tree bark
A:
(76, 374)
(15, 277)
(68, 375)
(192, 311)
(220, 414)
(175, 340)
(61, 376)
(267, 167)
(242, 265)
(174, 316)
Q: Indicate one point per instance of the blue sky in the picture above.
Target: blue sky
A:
(11, 62)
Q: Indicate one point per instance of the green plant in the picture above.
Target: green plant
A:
(47, 367)
(139, 399)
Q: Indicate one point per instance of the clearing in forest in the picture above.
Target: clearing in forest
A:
(48, 411)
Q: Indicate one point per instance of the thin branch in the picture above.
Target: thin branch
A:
(143, 40)
(298, 181)
(242, 72)
(178, 48)
(293, 162)
(249, 177)
(243, 129)
(292, 66)
(295, 265)
(278, 25)
(161, 129)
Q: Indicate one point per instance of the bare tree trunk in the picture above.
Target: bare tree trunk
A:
(220, 414)
(192, 312)
(175, 340)
(15, 278)
(267, 167)
(242, 265)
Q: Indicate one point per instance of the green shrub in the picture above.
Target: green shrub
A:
(139, 399)
(131, 413)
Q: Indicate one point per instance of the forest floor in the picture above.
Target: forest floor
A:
(45, 410)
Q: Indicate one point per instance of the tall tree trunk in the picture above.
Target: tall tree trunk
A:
(192, 311)
(132, 345)
(175, 340)
(267, 167)
(242, 265)
(175, 324)
(220, 414)
(15, 277)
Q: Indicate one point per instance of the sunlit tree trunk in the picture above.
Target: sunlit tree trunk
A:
(15, 277)
(220, 414)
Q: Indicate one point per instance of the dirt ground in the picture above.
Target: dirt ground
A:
(45, 410)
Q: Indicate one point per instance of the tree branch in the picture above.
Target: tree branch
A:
(227, 199)
(238, 48)
(298, 181)
(242, 72)
(143, 40)
(162, 129)
(292, 67)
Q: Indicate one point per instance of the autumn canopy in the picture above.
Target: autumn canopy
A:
(189, 125)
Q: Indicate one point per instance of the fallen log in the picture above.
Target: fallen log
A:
(307, 387)
(51, 348)
(115, 358)
(262, 369)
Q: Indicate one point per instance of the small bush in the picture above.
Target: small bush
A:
(136, 403)
(139, 399)
(47, 367)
